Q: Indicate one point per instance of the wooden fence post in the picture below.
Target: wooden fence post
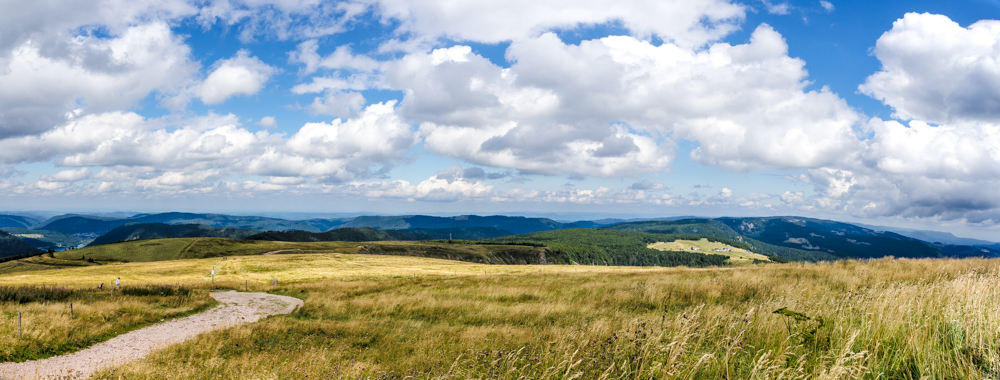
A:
(70, 310)
(19, 324)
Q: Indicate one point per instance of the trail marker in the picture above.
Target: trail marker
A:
(19, 324)
(70, 310)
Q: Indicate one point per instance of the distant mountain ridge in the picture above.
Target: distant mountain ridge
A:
(791, 237)
(513, 224)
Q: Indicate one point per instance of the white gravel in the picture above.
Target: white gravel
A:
(236, 308)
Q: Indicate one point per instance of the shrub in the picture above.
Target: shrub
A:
(26, 294)
(155, 290)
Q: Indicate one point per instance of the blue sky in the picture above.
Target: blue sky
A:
(876, 112)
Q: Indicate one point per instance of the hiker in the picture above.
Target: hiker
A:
(101, 287)
(118, 282)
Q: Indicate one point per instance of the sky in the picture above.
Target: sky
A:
(885, 113)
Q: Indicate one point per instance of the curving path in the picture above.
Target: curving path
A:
(237, 308)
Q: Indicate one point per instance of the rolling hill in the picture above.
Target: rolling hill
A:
(145, 231)
(11, 246)
(512, 224)
(16, 221)
(619, 247)
(44, 239)
(371, 234)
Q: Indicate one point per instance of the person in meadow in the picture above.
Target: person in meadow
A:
(118, 282)
(101, 287)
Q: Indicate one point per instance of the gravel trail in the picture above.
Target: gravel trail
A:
(236, 308)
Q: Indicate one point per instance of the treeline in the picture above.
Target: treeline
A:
(371, 234)
(145, 231)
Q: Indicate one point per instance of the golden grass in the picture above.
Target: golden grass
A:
(736, 255)
(48, 328)
(385, 317)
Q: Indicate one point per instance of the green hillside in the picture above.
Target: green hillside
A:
(614, 247)
(45, 239)
(371, 234)
(719, 229)
(511, 224)
(11, 246)
(145, 231)
(837, 238)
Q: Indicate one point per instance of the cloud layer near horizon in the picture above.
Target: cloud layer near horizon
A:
(612, 107)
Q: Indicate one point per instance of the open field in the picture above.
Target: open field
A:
(736, 255)
(49, 329)
(372, 316)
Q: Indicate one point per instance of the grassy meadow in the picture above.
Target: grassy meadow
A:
(395, 317)
(736, 255)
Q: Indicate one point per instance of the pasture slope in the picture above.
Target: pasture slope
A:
(385, 317)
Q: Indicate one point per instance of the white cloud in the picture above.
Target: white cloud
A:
(282, 19)
(342, 150)
(267, 122)
(828, 6)
(239, 75)
(337, 103)
(647, 185)
(41, 84)
(155, 155)
(936, 71)
(341, 59)
(431, 189)
(776, 9)
(558, 108)
(793, 197)
(70, 175)
(687, 22)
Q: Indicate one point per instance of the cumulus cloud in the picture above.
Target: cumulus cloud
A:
(267, 122)
(198, 153)
(776, 8)
(937, 71)
(341, 59)
(793, 197)
(603, 107)
(375, 141)
(432, 189)
(648, 185)
(67, 175)
(828, 6)
(239, 75)
(41, 82)
(687, 22)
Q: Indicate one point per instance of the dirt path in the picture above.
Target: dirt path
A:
(237, 308)
(279, 251)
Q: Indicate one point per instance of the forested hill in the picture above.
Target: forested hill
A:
(616, 247)
(137, 231)
(80, 224)
(371, 234)
(510, 224)
(803, 238)
(10, 245)
(88, 224)
(16, 221)
(716, 228)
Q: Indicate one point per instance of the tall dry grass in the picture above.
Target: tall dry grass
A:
(48, 328)
(880, 319)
